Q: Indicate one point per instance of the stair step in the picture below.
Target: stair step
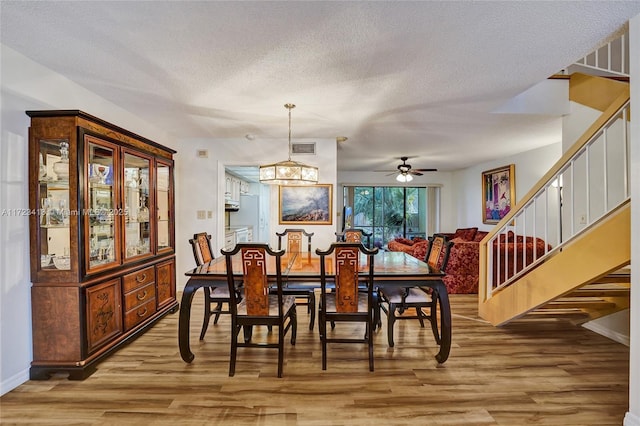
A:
(621, 276)
(600, 292)
(546, 314)
(586, 303)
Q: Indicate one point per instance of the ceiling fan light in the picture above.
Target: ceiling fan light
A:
(404, 177)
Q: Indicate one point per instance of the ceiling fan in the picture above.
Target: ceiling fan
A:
(405, 171)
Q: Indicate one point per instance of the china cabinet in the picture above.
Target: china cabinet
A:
(102, 239)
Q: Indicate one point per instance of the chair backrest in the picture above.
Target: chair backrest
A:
(295, 239)
(201, 245)
(438, 254)
(257, 260)
(346, 272)
(355, 235)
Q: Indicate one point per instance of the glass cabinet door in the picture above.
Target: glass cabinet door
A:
(101, 203)
(163, 202)
(137, 204)
(54, 208)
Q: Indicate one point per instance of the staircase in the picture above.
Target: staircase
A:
(582, 208)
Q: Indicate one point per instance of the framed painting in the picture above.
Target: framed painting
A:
(498, 193)
(306, 205)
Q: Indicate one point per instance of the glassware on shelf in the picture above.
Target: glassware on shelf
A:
(101, 172)
(64, 211)
(46, 210)
(61, 168)
(62, 262)
(143, 211)
(42, 172)
(45, 260)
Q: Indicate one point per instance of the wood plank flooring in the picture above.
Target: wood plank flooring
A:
(542, 372)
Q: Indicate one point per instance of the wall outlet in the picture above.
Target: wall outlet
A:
(209, 214)
(201, 214)
(582, 219)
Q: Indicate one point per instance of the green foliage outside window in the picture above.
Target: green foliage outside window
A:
(389, 212)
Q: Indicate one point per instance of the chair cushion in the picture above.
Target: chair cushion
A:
(393, 294)
(300, 285)
(219, 292)
(287, 303)
(331, 302)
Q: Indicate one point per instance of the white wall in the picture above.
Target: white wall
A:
(25, 85)
(200, 185)
(632, 417)
(530, 166)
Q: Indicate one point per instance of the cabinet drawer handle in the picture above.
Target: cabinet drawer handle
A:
(143, 313)
(142, 296)
(142, 278)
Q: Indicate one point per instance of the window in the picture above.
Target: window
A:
(392, 211)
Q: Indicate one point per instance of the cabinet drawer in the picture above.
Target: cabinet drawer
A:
(229, 241)
(139, 314)
(139, 279)
(139, 296)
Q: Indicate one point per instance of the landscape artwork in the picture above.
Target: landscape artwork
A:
(498, 190)
(306, 205)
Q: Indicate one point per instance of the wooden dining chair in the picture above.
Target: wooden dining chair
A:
(355, 235)
(346, 303)
(219, 295)
(259, 305)
(300, 289)
(399, 299)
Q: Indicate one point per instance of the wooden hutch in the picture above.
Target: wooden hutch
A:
(102, 239)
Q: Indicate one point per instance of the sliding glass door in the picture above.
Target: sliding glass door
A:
(391, 211)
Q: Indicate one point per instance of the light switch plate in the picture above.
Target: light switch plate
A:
(201, 214)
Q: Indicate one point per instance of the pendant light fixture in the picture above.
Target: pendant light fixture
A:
(288, 172)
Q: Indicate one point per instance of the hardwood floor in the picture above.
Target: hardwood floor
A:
(546, 372)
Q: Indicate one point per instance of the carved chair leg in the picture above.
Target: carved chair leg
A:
(217, 310)
(370, 343)
(433, 318)
(420, 316)
(294, 326)
(248, 332)
(311, 308)
(391, 319)
(235, 330)
(207, 311)
(280, 349)
(323, 338)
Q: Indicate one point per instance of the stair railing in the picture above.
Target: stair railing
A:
(588, 182)
(611, 58)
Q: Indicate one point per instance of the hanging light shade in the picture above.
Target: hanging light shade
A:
(288, 172)
(404, 177)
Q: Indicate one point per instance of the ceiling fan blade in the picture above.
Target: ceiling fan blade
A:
(413, 172)
(426, 170)
(385, 171)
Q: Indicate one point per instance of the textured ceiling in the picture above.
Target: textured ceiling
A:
(397, 78)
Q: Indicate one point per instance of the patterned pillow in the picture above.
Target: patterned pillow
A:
(466, 234)
(479, 236)
(405, 241)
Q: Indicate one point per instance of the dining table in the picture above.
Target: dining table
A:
(390, 268)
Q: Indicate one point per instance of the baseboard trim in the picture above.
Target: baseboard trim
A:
(606, 332)
(14, 381)
(631, 420)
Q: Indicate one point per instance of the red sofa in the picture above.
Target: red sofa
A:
(463, 267)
